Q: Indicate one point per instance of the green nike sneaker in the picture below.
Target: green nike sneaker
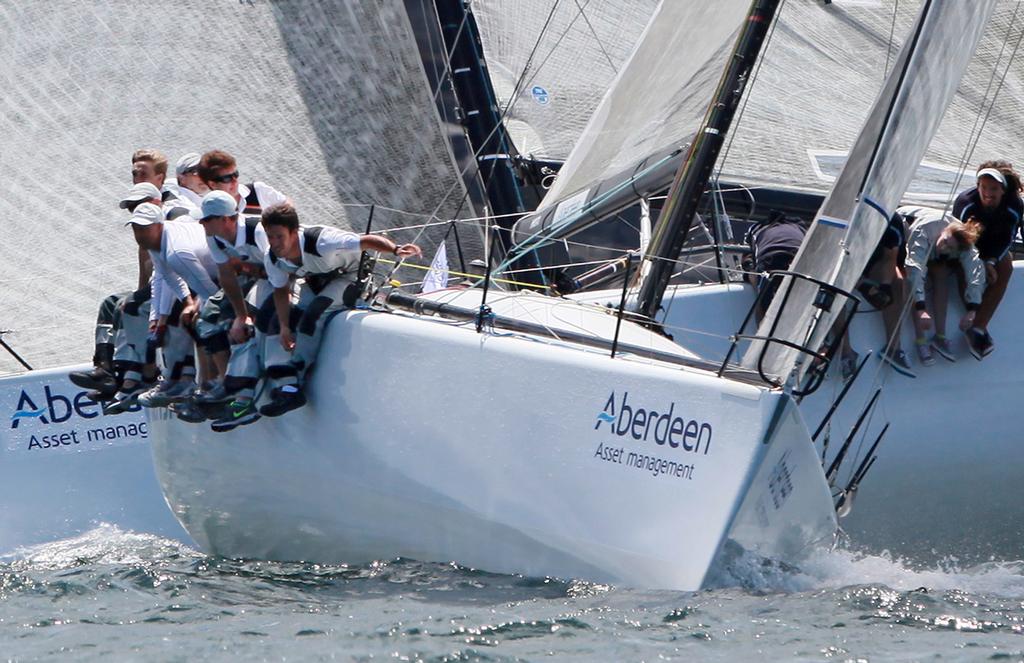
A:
(239, 413)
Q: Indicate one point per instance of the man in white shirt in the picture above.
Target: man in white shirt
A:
(237, 245)
(328, 259)
(183, 270)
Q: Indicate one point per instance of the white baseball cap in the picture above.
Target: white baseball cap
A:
(189, 162)
(219, 203)
(138, 193)
(146, 214)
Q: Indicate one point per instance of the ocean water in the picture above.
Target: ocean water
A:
(116, 595)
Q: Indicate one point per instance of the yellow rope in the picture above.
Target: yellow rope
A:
(469, 276)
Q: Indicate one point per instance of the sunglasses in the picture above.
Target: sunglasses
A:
(224, 179)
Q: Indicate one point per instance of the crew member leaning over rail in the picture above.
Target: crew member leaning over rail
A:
(328, 259)
(996, 203)
(936, 243)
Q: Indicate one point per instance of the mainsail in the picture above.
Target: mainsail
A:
(327, 101)
(880, 167)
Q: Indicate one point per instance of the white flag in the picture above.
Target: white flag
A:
(437, 277)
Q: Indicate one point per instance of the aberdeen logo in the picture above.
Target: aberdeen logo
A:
(643, 424)
(56, 409)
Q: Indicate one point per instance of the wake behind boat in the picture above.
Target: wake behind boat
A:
(515, 453)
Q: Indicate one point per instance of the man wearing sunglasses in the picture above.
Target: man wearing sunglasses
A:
(191, 187)
(225, 322)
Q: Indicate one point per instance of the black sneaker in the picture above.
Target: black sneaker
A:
(899, 362)
(187, 411)
(239, 413)
(282, 401)
(979, 343)
(217, 394)
(102, 395)
(98, 378)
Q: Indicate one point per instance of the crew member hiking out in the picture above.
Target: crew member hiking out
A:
(328, 259)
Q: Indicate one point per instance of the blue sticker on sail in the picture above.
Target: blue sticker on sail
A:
(835, 223)
(540, 95)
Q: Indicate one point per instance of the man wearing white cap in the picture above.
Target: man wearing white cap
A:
(182, 270)
(238, 245)
(996, 204)
(191, 187)
(121, 327)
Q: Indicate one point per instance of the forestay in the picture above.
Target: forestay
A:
(880, 167)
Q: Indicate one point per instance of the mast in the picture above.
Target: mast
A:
(692, 177)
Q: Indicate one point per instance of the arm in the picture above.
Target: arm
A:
(229, 281)
(385, 245)
(145, 268)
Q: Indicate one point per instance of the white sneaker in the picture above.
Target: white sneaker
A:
(167, 392)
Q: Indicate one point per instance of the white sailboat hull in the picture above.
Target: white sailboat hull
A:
(944, 481)
(430, 441)
(67, 468)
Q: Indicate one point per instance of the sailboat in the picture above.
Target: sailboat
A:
(934, 465)
(619, 456)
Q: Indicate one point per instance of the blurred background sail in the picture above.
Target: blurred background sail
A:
(327, 101)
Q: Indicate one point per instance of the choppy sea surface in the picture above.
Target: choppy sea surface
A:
(116, 595)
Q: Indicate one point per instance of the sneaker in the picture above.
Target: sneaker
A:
(848, 365)
(166, 392)
(924, 354)
(979, 343)
(283, 401)
(900, 362)
(98, 378)
(102, 395)
(188, 411)
(239, 413)
(214, 395)
(126, 398)
(944, 347)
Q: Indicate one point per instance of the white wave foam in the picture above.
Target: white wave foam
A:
(106, 544)
(841, 568)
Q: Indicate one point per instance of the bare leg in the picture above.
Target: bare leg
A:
(220, 362)
(994, 293)
(891, 314)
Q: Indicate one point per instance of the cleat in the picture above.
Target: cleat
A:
(166, 393)
(238, 413)
(943, 347)
(98, 378)
(283, 401)
(188, 411)
(899, 362)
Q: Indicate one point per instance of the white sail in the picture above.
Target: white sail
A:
(659, 97)
(882, 163)
(326, 101)
(551, 63)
